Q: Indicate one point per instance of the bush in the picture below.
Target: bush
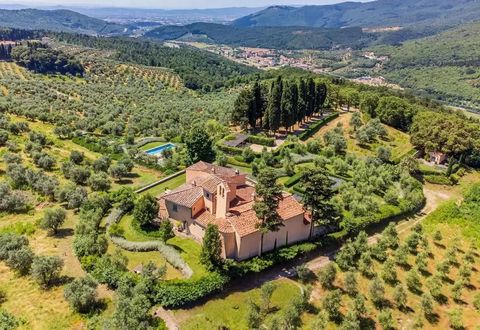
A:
(82, 294)
(261, 140)
(293, 180)
(229, 150)
(11, 242)
(178, 293)
(438, 179)
(46, 270)
(315, 127)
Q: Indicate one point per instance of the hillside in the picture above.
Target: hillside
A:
(370, 14)
(265, 37)
(444, 66)
(57, 20)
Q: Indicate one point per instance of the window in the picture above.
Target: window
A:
(175, 208)
(208, 195)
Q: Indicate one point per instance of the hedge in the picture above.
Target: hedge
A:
(178, 293)
(234, 162)
(438, 179)
(96, 147)
(261, 140)
(293, 180)
(315, 127)
(259, 264)
(228, 149)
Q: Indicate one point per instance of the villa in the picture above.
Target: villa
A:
(222, 196)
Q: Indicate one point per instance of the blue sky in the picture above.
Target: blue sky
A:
(174, 3)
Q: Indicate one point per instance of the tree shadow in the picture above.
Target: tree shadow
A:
(367, 323)
(64, 233)
(440, 245)
(124, 181)
(441, 299)
(432, 318)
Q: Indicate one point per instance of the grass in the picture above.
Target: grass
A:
(230, 310)
(142, 258)
(170, 184)
(188, 248)
(398, 142)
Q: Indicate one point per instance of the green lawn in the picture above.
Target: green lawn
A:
(138, 258)
(170, 184)
(231, 311)
(188, 248)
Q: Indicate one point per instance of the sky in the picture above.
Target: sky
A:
(171, 4)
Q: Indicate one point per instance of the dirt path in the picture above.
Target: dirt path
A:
(434, 197)
(168, 318)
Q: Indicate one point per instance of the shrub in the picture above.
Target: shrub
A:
(46, 270)
(327, 275)
(293, 180)
(21, 260)
(315, 127)
(11, 242)
(261, 140)
(177, 293)
(82, 294)
(52, 219)
(438, 179)
(8, 321)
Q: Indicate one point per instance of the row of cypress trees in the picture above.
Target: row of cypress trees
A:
(283, 103)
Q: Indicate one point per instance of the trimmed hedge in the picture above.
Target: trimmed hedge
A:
(315, 127)
(293, 180)
(259, 264)
(261, 140)
(178, 293)
(229, 150)
(233, 161)
(438, 179)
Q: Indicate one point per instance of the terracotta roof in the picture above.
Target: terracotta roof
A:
(186, 195)
(223, 172)
(209, 183)
(244, 219)
(205, 218)
(245, 194)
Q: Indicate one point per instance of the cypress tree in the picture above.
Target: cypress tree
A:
(320, 96)
(285, 106)
(293, 111)
(310, 97)
(302, 101)
(259, 101)
(274, 105)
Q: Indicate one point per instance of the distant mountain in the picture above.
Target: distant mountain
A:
(380, 13)
(265, 37)
(57, 20)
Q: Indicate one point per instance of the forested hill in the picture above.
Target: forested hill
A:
(444, 66)
(57, 20)
(265, 37)
(199, 70)
(369, 14)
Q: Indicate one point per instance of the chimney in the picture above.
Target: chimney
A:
(213, 170)
(237, 172)
(194, 183)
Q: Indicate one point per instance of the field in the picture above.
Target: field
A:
(37, 308)
(230, 310)
(398, 142)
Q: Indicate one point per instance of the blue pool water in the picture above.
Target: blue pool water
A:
(160, 149)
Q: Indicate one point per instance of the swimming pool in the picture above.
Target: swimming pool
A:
(158, 150)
